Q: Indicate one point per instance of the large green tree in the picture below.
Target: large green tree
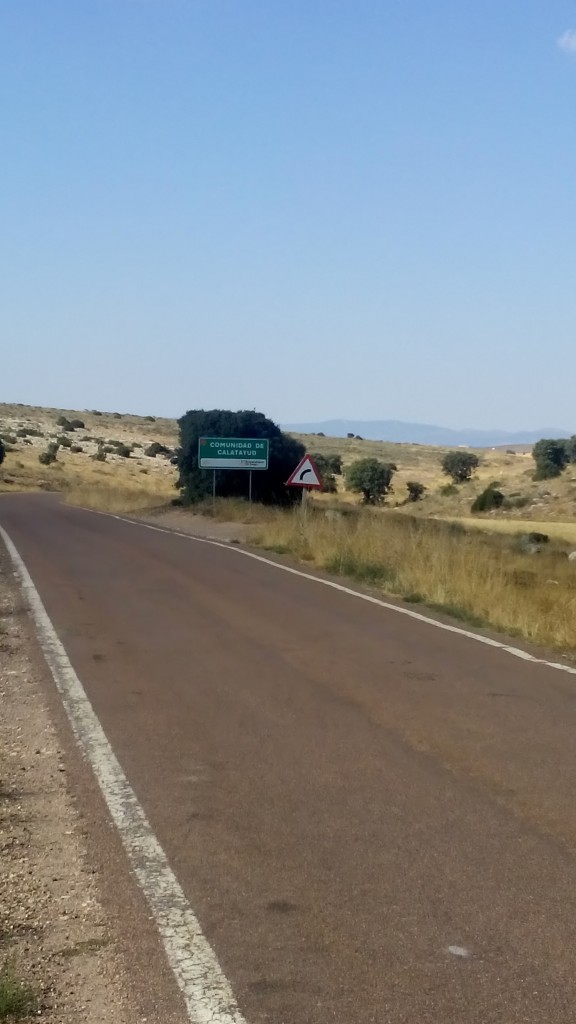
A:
(268, 486)
(460, 465)
(370, 478)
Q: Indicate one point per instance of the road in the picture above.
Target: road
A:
(374, 820)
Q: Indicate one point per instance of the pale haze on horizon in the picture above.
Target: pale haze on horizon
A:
(321, 210)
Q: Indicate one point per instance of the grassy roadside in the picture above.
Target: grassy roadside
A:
(479, 578)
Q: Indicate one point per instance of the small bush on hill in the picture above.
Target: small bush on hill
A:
(447, 490)
(76, 448)
(50, 455)
(489, 499)
(150, 419)
(78, 424)
(123, 450)
(64, 441)
(156, 449)
(2, 451)
(415, 490)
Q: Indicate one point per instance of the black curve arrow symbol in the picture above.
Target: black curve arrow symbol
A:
(303, 473)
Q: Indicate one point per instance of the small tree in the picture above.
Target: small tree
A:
(370, 478)
(329, 467)
(551, 458)
(460, 465)
(415, 490)
(2, 451)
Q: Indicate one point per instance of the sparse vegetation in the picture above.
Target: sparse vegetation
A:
(64, 441)
(460, 465)
(2, 451)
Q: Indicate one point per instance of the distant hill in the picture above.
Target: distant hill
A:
(424, 433)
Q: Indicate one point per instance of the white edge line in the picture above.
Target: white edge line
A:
(207, 993)
(516, 652)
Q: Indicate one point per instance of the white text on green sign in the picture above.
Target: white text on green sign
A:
(233, 453)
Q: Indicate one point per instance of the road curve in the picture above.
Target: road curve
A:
(374, 820)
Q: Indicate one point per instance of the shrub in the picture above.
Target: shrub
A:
(8, 438)
(551, 458)
(447, 490)
(64, 441)
(350, 435)
(78, 424)
(123, 450)
(100, 455)
(96, 412)
(76, 448)
(2, 451)
(156, 449)
(415, 490)
(370, 478)
(150, 419)
(65, 424)
(489, 499)
(459, 465)
(50, 455)
(29, 432)
(117, 415)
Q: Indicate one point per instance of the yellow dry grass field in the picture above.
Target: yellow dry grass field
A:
(557, 530)
(473, 576)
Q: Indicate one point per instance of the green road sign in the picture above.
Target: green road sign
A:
(233, 453)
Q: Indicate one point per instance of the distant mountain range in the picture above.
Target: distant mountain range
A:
(424, 433)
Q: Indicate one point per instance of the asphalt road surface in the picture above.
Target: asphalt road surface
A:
(374, 820)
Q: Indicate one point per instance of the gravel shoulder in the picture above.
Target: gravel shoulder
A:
(55, 934)
(184, 521)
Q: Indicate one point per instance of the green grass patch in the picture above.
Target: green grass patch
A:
(17, 999)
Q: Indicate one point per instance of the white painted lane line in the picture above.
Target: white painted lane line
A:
(207, 992)
(516, 652)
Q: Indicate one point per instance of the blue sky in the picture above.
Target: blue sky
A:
(317, 208)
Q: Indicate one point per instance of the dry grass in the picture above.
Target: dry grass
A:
(479, 578)
(559, 531)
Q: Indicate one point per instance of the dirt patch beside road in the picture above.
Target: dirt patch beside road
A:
(198, 526)
(54, 934)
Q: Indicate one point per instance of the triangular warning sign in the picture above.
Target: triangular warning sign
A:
(305, 475)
